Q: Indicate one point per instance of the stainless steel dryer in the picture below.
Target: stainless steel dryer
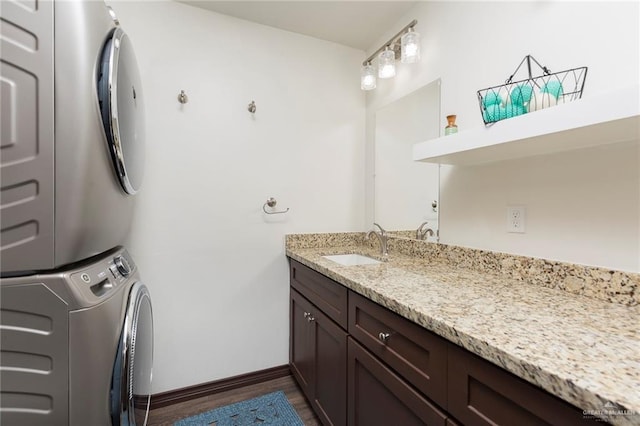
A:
(77, 345)
(68, 178)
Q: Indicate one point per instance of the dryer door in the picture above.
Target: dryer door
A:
(122, 109)
(131, 382)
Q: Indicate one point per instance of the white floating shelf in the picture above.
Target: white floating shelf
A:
(608, 118)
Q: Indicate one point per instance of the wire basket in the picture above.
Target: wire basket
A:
(535, 93)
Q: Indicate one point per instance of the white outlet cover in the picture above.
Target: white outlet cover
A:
(516, 219)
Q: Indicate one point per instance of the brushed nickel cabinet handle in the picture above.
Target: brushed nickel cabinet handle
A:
(383, 337)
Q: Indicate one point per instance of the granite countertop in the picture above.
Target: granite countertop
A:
(583, 350)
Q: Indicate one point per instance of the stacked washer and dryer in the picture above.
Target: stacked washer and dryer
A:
(76, 327)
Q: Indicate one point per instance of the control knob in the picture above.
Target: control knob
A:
(123, 266)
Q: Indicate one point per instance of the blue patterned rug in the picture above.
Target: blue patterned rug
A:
(270, 409)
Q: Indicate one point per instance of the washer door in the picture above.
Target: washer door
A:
(131, 381)
(122, 109)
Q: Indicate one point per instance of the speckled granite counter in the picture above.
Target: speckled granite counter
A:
(583, 350)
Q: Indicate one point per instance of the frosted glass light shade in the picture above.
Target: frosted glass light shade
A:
(387, 63)
(410, 43)
(367, 77)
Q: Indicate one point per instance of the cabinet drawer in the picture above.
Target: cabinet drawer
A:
(377, 396)
(418, 355)
(481, 393)
(326, 294)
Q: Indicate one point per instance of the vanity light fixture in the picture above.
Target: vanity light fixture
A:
(367, 77)
(405, 45)
(410, 47)
(387, 63)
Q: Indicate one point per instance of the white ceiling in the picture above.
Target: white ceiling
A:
(357, 24)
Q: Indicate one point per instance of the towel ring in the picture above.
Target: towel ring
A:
(271, 202)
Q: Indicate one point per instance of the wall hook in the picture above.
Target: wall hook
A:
(252, 107)
(271, 202)
(182, 97)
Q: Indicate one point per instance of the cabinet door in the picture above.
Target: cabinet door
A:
(377, 396)
(301, 346)
(416, 354)
(481, 393)
(330, 370)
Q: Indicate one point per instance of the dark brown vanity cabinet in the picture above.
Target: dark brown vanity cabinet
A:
(378, 396)
(329, 296)
(481, 393)
(318, 348)
(415, 353)
(360, 364)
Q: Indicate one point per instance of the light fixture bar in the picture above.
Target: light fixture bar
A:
(393, 40)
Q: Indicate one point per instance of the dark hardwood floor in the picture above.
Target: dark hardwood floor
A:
(172, 413)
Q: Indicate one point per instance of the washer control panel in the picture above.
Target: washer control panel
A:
(101, 278)
(94, 281)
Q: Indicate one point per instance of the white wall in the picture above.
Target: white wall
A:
(214, 262)
(582, 207)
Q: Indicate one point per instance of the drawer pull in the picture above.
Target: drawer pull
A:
(383, 337)
(310, 318)
(307, 314)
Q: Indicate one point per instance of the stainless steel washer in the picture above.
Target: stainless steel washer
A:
(77, 345)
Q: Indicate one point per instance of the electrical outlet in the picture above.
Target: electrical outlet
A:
(516, 219)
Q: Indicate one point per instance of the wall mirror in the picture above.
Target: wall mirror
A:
(405, 191)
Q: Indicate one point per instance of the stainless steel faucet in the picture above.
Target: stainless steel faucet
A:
(423, 231)
(382, 238)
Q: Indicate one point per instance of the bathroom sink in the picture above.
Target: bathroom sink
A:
(352, 259)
